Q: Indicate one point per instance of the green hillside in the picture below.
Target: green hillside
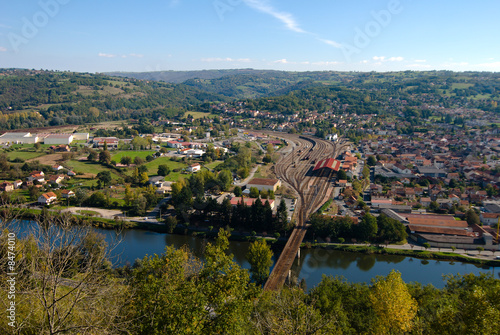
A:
(30, 98)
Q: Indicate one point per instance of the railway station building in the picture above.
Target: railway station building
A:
(329, 163)
(264, 184)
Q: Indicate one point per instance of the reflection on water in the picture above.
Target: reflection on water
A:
(312, 264)
(364, 267)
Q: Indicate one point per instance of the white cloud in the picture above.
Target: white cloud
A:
(286, 18)
(101, 54)
(419, 66)
(385, 59)
(420, 60)
(3, 49)
(492, 66)
(283, 61)
(330, 42)
(326, 63)
(395, 59)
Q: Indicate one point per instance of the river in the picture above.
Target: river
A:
(313, 263)
(311, 266)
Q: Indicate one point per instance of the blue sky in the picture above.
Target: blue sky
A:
(295, 35)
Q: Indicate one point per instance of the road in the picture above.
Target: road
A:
(247, 179)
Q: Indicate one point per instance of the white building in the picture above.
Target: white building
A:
(195, 153)
(47, 198)
(19, 138)
(264, 184)
(58, 139)
(331, 137)
(80, 136)
(194, 168)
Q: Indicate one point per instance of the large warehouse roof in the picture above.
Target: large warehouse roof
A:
(329, 163)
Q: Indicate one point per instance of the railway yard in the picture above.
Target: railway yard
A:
(313, 187)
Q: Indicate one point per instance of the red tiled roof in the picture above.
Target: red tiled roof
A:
(248, 201)
(329, 163)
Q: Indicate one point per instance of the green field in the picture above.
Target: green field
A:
(460, 85)
(88, 167)
(212, 165)
(173, 176)
(132, 154)
(199, 115)
(24, 155)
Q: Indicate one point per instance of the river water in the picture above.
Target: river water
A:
(312, 265)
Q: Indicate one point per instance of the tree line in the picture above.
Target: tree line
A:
(66, 284)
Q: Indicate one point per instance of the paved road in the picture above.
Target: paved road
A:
(485, 254)
(250, 176)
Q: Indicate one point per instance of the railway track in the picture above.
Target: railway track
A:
(312, 190)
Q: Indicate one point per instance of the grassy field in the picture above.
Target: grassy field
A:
(24, 155)
(213, 165)
(460, 85)
(199, 115)
(132, 154)
(88, 167)
(173, 176)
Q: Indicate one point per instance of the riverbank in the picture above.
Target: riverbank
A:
(415, 251)
(485, 258)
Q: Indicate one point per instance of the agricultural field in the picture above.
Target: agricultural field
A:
(88, 167)
(132, 154)
(172, 176)
(50, 159)
(199, 115)
(25, 155)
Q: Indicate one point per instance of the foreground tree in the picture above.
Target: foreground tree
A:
(290, 311)
(260, 258)
(178, 294)
(64, 282)
(393, 304)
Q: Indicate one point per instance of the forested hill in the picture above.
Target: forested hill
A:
(178, 77)
(31, 98)
(251, 84)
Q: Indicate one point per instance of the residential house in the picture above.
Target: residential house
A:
(194, 168)
(56, 179)
(66, 194)
(36, 177)
(6, 186)
(47, 198)
(489, 219)
(18, 183)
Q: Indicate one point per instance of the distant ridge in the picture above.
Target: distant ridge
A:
(177, 77)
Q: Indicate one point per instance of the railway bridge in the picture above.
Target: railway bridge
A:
(312, 189)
